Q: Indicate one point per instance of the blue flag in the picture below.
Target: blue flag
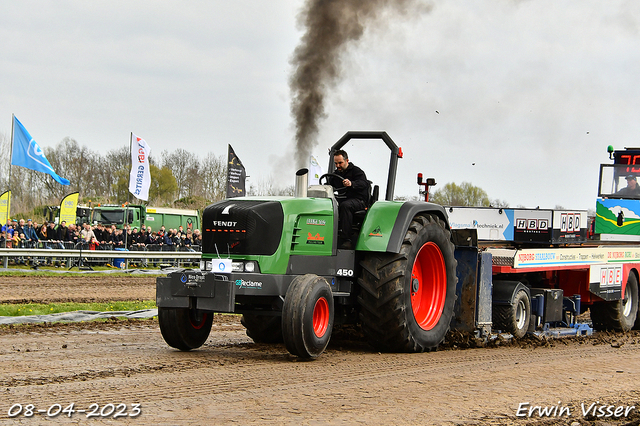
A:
(27, 153)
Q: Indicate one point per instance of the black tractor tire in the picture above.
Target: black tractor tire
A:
(513, 318)
(183, 328)
(407, 298)
(307, 316)
(263, 328)
(618, 315)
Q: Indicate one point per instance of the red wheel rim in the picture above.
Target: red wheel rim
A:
(427, 300)
(320, 317)
(198, 324)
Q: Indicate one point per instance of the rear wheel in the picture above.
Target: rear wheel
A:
(307, 316)
(183, 328)
(407, 298)
(263, 328)
(513, 318)
(619, 315)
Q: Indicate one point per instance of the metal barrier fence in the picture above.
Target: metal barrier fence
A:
(86, 255)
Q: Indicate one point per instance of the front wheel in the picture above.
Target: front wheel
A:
(407, 298)
(619, 315)
(307, 316)
(183, 328)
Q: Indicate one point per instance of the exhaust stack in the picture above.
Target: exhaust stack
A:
(302, 183)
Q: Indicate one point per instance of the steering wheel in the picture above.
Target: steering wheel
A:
(341, 190)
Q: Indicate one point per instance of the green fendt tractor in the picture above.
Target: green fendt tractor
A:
(276, 261)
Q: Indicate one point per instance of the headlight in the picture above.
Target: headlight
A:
(248, 266)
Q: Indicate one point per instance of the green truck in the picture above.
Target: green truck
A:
(138, 216)
(52, 214)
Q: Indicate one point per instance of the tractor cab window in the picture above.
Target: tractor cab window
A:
(619, 181)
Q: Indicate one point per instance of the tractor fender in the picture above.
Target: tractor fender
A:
(386, 224)
(408, 211)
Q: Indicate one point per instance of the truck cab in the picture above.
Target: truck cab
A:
(119, 215)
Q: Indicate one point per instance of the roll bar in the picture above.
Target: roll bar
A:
(396, 152)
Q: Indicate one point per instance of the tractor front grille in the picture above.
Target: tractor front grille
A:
(244, 227)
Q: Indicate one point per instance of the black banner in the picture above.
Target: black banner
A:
(236, 176)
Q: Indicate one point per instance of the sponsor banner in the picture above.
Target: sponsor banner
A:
(606, 275)
(532, 225)
(533, 258)
(491, 224)
(567, 221)
(256, 285)
(617, 217)
(222, 266)
(5, 207)
(236, 176)
(569, 226)
(520, 225)
(140, 176)
(68, 207)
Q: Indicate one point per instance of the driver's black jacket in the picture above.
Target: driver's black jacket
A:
(359, 184)
(629, 193)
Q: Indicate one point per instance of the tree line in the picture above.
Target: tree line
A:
(179, 178)
(464, 195)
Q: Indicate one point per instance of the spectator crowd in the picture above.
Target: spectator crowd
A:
(29, 234)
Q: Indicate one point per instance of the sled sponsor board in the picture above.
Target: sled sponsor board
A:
(535, 226)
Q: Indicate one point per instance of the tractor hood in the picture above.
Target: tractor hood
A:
(241, 226)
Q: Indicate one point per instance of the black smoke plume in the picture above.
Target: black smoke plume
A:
(330, 26)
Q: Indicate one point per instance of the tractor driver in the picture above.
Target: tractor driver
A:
(356, 195)
(632, 190)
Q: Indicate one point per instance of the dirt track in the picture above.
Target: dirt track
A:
(90, 288)
(233, 381)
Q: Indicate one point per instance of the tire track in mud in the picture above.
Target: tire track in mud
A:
(233, 373)
(84, 289)
(224, 353)
(234, 381)
(59, 364)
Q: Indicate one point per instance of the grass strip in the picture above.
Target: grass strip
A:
(45, 273)
(54, 308)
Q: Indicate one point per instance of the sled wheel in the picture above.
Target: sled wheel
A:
(513, 318)
(307, 316)
(183, 328)
(263, 328)
(618, 315)
(407, 298)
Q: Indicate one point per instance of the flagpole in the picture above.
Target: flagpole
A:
(13, 120)
(130, 164)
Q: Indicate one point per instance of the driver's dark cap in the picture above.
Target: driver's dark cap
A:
(631, 177)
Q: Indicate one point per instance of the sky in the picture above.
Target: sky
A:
(520, 98)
